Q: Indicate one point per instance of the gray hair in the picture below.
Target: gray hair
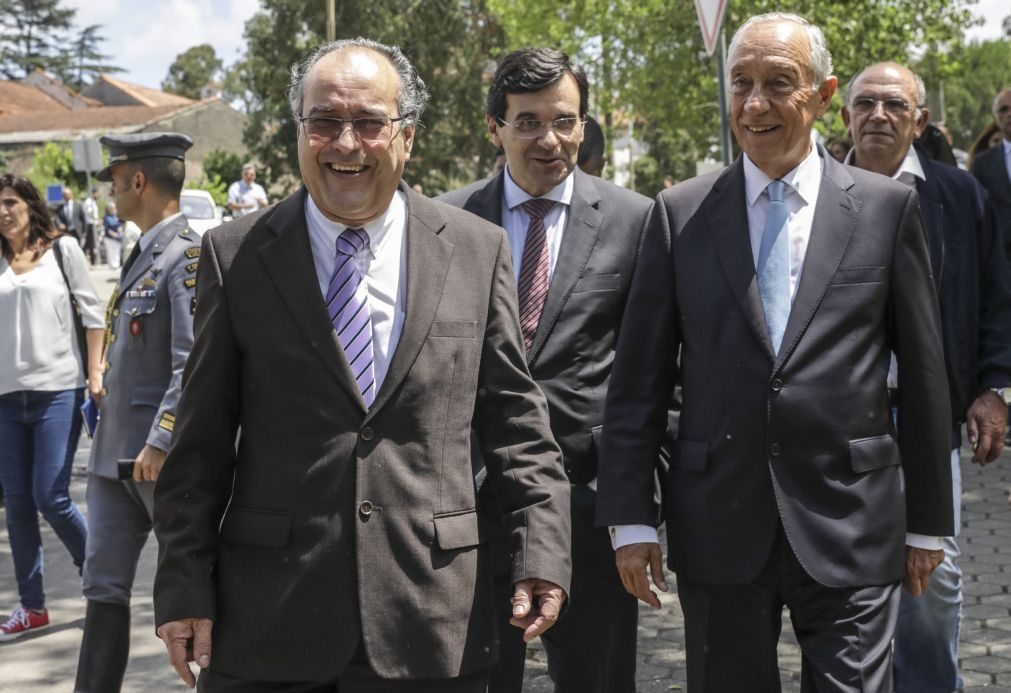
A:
(413, 94)
(248, 166)
(821, 59)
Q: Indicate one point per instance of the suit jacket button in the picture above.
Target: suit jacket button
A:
(365, 508)
(777, 385)
(367, 433)
(774, 450)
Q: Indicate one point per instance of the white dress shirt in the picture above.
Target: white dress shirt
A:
(801, 194)
(383, 266)
(515, 219)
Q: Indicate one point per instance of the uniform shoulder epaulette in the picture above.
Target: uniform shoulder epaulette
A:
(193, 252)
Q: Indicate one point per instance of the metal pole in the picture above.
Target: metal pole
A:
(331, 21)
(724, 122)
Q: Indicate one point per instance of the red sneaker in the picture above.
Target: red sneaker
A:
(22, 621)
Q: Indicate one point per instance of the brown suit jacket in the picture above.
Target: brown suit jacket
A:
(274, 540)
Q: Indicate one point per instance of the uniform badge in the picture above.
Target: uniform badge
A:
(148, 282)
(136, 327)
(167, 422)
(190, 282)
(192, 253)
(192, 267)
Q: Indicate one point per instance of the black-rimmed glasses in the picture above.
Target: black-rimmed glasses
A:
(892, 105)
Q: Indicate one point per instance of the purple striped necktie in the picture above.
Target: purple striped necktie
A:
(347, 301)
(532, 285)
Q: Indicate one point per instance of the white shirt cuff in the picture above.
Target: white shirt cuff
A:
(922, 541)
(623, 535)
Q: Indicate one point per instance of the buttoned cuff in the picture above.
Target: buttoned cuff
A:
(623, 535)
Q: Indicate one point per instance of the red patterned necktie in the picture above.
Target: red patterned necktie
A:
(532, 285)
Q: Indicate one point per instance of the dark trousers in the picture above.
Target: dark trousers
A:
(358, 677)
(731, 631)
(592, 647)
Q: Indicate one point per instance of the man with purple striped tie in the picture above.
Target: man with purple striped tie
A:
(366, 342)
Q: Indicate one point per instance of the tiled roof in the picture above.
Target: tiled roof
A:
(84, 119)
(145, 95)
(19, 98)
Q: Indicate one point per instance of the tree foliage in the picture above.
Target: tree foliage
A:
(449, 41)
(32, 34)
(54, 163)
(225, 165)
(977, 72)
(192, 70)
(647, 61)
(83, 59)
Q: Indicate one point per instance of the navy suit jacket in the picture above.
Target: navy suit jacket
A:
(990, 170)
(974, 284)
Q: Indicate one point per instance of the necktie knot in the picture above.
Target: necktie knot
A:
(775, 189)
(538, 207)
(352, 241)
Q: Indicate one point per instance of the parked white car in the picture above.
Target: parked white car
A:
(200, 210)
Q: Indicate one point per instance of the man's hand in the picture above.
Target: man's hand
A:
(188, 640)
(148, 464)
(95, 381)
(986, 422)
(920, 563)
(536, 606)
(632, 561)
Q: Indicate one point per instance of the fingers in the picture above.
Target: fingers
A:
(656, 568)
(632, 562)
(202, 643)
(972, 430)
(175, 635)
(981, 451)
(541, 603)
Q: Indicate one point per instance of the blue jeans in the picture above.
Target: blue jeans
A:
(38, 439)
(926, 638)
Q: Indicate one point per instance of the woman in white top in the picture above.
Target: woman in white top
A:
(41, 387)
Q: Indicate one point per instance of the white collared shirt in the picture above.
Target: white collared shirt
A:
(515, 219)
(800, 195)
(803, 185)
(383, 265)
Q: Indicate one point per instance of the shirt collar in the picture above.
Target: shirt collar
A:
(911, 164)
(515, 195)
(1007, 146)
(803, 180)
(147, 237)
(378, 229)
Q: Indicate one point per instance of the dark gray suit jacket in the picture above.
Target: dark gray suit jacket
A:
(275, 541)
(803, 438)
(573, 348)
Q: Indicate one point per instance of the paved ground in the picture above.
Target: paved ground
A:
(45, 662)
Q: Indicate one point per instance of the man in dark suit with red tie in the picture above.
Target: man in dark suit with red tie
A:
(359, 337)
(574, 239)
(774, 293)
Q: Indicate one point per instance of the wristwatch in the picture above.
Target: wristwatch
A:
(1003, 392)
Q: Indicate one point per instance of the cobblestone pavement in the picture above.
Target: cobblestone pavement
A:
(45, 662)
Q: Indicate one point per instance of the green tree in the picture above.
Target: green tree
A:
(84, 60)
(646, 60)
(54, 163)
(225, 165)
(31, 35)
(446, 39)
(192, 70)
(977, 72)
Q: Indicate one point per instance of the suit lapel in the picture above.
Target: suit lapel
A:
(578, 240)
(835, 219)
(428, 258)
(289, 262)
(726, 212)
(147, 256)
(487, 201)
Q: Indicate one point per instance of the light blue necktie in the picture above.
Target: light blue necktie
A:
(774, 265)
(347, 301)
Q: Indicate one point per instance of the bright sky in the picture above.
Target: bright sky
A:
(146, 41)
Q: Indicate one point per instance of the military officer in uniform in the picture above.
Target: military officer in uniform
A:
(149, 335)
